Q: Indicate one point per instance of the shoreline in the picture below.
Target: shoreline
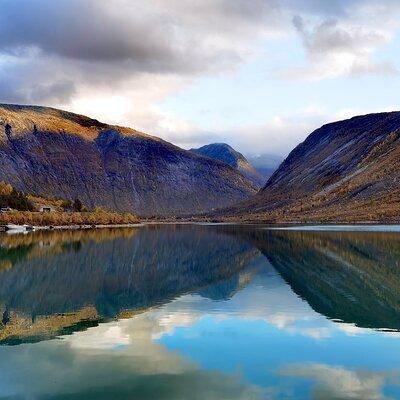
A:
(299, 226)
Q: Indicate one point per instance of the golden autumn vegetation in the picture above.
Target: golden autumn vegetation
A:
(95, 217)
(25, 210)
(24, 119)
(5, 189)
(22, 327)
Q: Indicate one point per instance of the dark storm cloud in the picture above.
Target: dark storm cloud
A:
(155, 36)
(58, 91)
(81, 30)
(53, 48)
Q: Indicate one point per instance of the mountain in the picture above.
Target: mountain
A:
(344, 171)
(265, 164)
(49, 152)
(226, 154)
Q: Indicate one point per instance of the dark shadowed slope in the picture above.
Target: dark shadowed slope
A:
(225, 153)
(50, 152)
(347, 170)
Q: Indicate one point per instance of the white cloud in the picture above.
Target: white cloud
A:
(331, 382)
(336, 48)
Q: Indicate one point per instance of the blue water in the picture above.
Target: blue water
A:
(200, 312)
(340, 228)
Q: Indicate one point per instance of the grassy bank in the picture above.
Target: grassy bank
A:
(64, 218)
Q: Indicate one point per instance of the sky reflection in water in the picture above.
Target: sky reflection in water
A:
(244, 329)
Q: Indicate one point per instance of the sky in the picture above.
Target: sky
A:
(257, 74)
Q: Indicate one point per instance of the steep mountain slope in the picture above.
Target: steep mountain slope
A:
(225, 153)
(347, 170)
(49, 152)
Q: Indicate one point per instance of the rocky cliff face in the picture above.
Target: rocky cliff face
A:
(226, 154)
(347, 170)
(49, 152)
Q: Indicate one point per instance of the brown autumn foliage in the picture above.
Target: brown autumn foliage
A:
(5, 189)
(21, 326)
(95, 217)
(66, 235)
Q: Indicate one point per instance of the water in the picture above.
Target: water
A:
(200, 312)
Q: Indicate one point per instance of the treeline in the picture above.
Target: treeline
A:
(12, 198)
(94, 217)
(16, 200)
(66, 212)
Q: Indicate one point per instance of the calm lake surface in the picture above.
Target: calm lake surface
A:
(200, 312)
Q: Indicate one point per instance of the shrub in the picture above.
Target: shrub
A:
(77, 206)
(67, 204)
(5, 189)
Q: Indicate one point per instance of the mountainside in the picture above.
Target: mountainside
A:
(50, 152)
(225, 153)
(343, 171)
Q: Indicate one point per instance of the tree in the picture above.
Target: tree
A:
(5, 189)
(77, 206)
(67, 205)
(18, 201)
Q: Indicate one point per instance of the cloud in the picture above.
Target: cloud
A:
(277, 136)
(59, 91)
(333, 382)
(109, 42)
(340, 47)
(337, 8)
(75, 54)
(146, 38)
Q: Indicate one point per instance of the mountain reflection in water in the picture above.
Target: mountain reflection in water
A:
(200, 312)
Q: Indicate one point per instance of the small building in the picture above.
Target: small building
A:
(46, 209)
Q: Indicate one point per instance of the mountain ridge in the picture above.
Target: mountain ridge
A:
(227, 154)
(344, 171)
(51, 152)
